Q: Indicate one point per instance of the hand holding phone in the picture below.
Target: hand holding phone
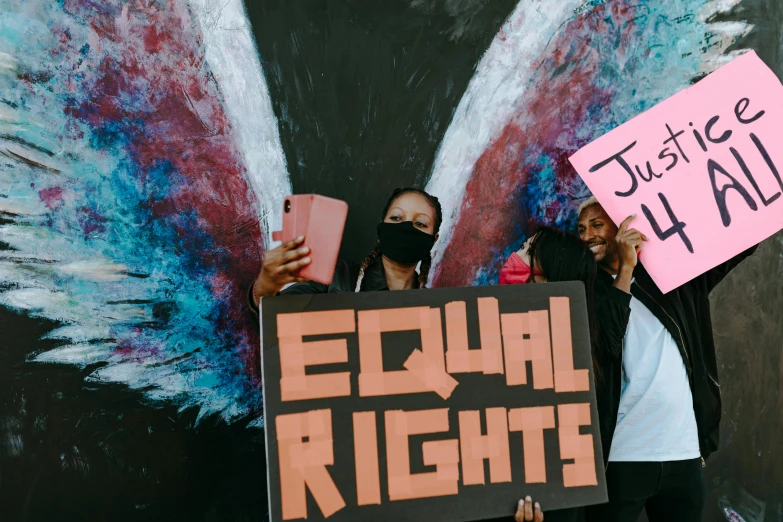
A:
(280, 267)
(320, 220)
(312, 232)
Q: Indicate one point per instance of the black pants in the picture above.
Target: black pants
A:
(669, 491)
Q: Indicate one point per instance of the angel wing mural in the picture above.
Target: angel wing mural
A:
(534, 102)
(138, 175)
(145, 147)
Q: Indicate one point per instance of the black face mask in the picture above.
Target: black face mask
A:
(404, 243)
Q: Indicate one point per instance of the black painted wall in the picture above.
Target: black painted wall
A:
(71, 451)
(363, 91)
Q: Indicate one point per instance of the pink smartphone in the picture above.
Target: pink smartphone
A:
(321, 221)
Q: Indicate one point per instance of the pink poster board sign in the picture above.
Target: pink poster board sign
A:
(702, 171)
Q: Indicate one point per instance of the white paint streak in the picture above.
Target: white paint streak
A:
(231, 53)
(7, 64)
(99, 269)
(713, 7)
(13, 149)
(21, 206)
(79, 355)
(34, 299)
(7, 116)
(170, 383)
(81, 333)
(726, 34)
(257, 423)
(502, 77)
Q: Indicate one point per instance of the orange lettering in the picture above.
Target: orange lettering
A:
(443, 454)
(536, 348)
(476, 447)
(303, 464)
(295, 355)
(373, 380)
(575, 446)
(566, 378)
(532, 422)
(365, 440)
(433, 376)
(459, 357)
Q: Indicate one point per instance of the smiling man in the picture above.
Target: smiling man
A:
(659, 397)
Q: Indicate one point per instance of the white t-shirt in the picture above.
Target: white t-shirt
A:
(655, 421)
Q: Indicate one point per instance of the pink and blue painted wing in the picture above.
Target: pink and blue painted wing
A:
(557, 76)
(132, 205)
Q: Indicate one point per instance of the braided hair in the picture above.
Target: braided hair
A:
(370, 259)
(426, 263)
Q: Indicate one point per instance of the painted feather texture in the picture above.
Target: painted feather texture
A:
(141, 167)
(557, 76)
(132, 204)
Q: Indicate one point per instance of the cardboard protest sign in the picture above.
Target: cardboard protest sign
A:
(701, 170)
(418, 405)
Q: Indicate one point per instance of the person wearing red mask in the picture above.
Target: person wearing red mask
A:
(517, 270)
(552, 255)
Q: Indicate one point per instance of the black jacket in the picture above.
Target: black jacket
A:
(685, 313)
(345, 275)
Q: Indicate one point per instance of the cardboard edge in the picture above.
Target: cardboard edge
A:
(263, 402)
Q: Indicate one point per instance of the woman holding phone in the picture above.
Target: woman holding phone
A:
(409, 227)
(551, 255)
(406, 234)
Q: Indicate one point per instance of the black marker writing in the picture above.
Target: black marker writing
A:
(678, 227)
(624, 164)
(720, 194)
(738, 112)
(749, 175)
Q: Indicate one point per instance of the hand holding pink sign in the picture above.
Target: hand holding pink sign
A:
(702, 169)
